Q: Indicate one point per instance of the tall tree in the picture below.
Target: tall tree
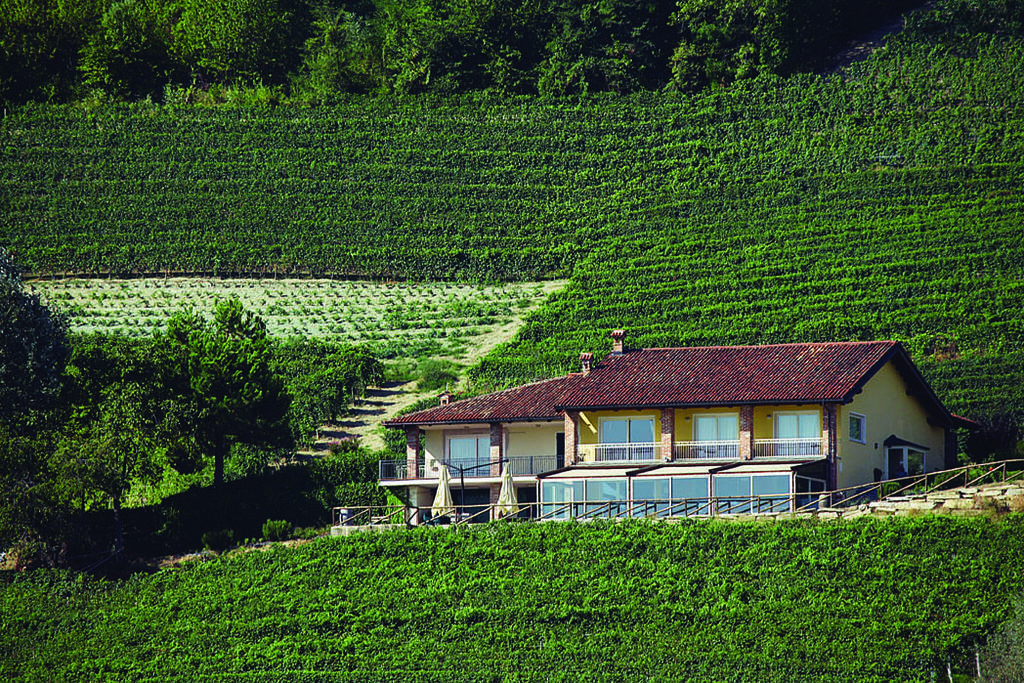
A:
(234, 395)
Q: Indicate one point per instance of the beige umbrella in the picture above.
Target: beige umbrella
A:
(443, 505)
(507, 503)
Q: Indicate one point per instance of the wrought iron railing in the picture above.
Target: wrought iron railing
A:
(534, 464)
(398, 469)
(706, 450)
(788, 448)
(620, 452)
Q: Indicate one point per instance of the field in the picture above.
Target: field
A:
(883, 202)
(872, 600)
(396, 319)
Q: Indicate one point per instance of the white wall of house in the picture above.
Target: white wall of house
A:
(532, 438)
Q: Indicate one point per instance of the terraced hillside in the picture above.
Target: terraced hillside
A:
(882, 203)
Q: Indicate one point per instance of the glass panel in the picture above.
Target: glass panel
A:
(641, 430)
(692, 490)
(651, 496)
(462, 449)
(606, 490)
(728, 428)
(857, 428)
(733, 494)
(615, 431)
(483, 449)
(809, 428)
(915, 462)
(767, 485)
(555, 493)
(897, 469)
(706, 429)
(787, 426)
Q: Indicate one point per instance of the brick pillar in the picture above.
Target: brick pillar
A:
(668, 429)
(495, 492)
(830, 443)
(571, 424)
(497, 450)
(746, 432)
(412, 451)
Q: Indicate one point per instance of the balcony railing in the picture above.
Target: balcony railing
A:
(706, 450)
(398, 469)
(390, 470)
(788, 448)
(534, 464)
(620, 452)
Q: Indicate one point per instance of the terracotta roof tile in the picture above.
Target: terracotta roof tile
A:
(710, 375)
(779, 373)
(534, 401)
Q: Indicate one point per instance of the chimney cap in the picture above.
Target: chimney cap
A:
(618, 334)
(586, 356)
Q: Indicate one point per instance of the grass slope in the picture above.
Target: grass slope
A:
(872, 600)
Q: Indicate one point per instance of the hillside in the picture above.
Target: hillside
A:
(873, 600)
(881, 203)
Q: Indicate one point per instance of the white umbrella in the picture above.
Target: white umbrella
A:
(443, 505)
(507, 503)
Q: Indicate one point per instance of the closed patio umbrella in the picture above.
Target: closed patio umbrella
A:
(443, 505)
(507, 503)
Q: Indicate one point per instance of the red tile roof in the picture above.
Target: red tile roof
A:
(719, 375)
(693, 376)
(534, 401)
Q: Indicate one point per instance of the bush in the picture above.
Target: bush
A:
(1002, 658)
(436, 374)
(218, 540)
(277, 530)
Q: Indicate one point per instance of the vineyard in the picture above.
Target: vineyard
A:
(884, 202)
(403, 319)
(872, 600)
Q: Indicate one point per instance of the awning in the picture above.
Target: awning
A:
(588, 472)
(670, 470)
(759, 468)
(896, 442)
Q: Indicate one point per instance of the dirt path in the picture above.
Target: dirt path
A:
(861, 47)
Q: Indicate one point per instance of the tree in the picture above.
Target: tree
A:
(33, 352)
(223, 371)
(109, 453)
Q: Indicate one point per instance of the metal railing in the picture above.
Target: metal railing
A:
(965, 476)
(364, 515)
(620, 452)
(920, 484)
(706, 450)
(398, 469)
(534, 464)
(787, 448)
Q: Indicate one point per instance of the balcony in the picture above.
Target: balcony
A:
(621, 452)
(391, 470)
(398, 469)
(788, 448)
(706, 450)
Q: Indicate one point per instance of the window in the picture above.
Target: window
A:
(558, 496)
(581, 497)
(469, 454)
(858, 428)
(627, 430)
(618, 435)
(736, 493)
(804, 425)
(692, 490)
(652, 495)
(725, 427)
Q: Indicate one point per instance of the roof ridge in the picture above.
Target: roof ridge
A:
(764, 346)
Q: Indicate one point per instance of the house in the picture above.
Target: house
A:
(666, 430)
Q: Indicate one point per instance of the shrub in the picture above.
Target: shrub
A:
(277, 530)
(218, 540)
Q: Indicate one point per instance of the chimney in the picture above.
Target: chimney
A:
(586, 360)
(446, 397)
(617, 337)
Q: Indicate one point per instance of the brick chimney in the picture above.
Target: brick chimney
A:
(617, 338)
(586, 361)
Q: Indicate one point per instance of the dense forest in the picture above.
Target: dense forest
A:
(315, 50)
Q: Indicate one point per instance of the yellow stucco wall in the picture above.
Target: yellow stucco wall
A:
(764, 417)
(888, 410)
(764, 422)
